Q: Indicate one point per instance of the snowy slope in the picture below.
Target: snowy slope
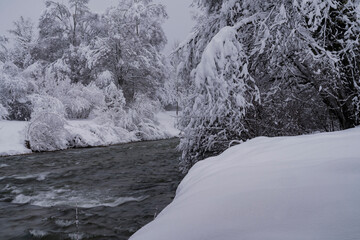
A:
(12, 138)
(305, 187)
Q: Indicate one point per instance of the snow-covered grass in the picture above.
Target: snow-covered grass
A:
(304, 187)
(84, 133)
(12, 138)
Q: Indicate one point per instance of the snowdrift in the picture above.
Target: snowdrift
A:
(304, 187)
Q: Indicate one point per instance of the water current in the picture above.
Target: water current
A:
(94, 193)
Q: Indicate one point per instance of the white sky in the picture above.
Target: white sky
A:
(177, 27)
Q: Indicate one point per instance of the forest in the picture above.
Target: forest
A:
(248, 69)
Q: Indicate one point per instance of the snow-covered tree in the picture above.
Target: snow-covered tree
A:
(3, 49)
(24, 39)
(131, 47)
(80, 65)
(224, 91)
(305, 47)
(14, 91)
(302, 55)
(65, 32)
(67, 24)
(335, 25)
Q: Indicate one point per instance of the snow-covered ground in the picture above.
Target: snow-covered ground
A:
(304, 187)
(12, 133)
(12, 138)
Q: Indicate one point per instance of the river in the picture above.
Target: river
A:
(94, 193)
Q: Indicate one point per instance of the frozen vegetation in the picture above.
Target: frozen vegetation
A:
(267, 68)
(80, 133)
(304, 187)
(250, 68)
(84, 79)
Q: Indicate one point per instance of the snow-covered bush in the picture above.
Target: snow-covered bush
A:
(14, 90)
(3, 112)
(114, 108)
(46, 131)
(90, 133)
(104, 79)
(46, 104)
(141, 119)
(55, 74)
(35, 72)
(80, 100)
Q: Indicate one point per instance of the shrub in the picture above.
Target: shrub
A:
(46, 131)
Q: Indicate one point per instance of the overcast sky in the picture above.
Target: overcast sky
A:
(177, 27)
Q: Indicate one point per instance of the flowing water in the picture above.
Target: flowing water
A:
(95, 193)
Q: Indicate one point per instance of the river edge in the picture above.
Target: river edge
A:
(127, 185)
(13, 141)
(271, 188)
(88, 147)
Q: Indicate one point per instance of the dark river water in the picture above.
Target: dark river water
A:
(95, 193)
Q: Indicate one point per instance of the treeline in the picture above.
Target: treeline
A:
(76, 64)
(267, 68)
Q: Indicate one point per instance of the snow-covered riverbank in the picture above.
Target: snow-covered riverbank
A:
(12, 138)
(304, 187)
(13, 133)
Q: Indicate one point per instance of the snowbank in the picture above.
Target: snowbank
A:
(305, 187)
(84, 133)
(12, 138)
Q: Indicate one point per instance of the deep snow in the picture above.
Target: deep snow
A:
(304, 187)
(12, 133)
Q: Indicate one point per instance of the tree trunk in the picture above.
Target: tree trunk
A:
(333, 101)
